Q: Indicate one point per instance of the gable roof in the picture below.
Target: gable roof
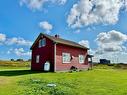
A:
(60, 40)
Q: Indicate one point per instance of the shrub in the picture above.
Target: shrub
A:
(19, 59)
(12, 60)
(111, 64)
(39, 87)
(73, 68)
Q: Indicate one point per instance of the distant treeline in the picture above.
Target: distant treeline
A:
(20, 60)
(112, 66)
(15, 63)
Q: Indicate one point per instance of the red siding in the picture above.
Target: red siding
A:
(60, 66)
(46, 54)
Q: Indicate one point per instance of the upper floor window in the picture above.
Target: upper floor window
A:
(66, 57)
(81, 58)
(37, 58)
(42, 42)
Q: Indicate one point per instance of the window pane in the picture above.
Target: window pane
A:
(39, 43)
(42, 42)
(66, 57)
(37, 58)
(81, 58)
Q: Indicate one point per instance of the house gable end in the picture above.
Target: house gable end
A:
(37, 40)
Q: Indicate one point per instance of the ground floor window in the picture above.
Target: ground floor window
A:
(81, 59)
(66, 57)
(37, 58)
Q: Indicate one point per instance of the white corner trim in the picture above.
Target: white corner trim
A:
(55, 57)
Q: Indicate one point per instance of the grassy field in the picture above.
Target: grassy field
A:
(99, 81)
(14, 64)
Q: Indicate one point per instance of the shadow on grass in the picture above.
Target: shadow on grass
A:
(17, 72)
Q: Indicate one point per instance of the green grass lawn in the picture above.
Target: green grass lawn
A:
(21, 81)
(17, 79)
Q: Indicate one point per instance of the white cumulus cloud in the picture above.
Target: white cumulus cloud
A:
(18, 41)
(33, 4)
(46, 26)
(61, 2)
(84, 43)
(2, 37)
(77, 31)
(38, 4)
(87, 12)
(112, 41)
(19, 52)
(14, 41)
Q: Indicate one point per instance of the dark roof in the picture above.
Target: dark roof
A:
(61, 41)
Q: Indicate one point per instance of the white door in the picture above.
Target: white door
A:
(47, 66)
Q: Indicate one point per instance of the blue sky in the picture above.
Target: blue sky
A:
(81, 21)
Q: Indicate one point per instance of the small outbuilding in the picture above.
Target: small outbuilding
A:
(52, 53)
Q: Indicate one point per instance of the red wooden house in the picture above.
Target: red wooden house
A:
(56, 54)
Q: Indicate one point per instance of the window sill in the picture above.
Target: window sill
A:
(41, 46)
(81, 63)
(66, 62)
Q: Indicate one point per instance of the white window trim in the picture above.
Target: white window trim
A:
(40, 43)
(81, 61)
(66, 61)
(37, 58)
